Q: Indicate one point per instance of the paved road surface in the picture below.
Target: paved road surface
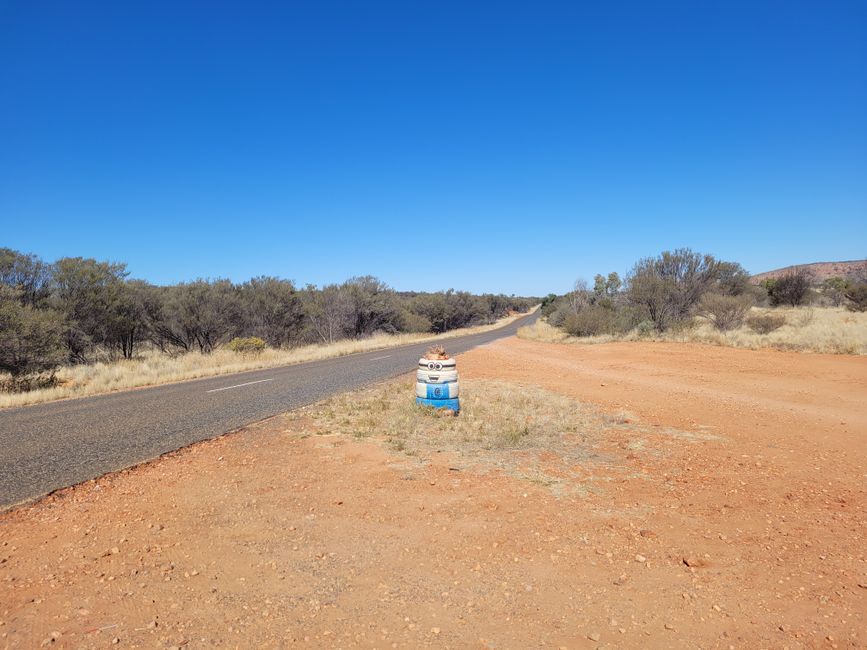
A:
(50, 446)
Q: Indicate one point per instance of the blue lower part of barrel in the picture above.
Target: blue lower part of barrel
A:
(440, 391)
(453, 404)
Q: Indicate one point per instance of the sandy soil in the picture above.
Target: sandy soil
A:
(733, 518)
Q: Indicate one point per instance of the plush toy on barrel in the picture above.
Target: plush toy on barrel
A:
(437, 381)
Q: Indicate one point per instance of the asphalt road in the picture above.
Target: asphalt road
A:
(51, 446)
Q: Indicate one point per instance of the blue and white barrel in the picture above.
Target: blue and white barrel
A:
(437, 384)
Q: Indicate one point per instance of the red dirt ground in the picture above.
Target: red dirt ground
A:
(738, 522)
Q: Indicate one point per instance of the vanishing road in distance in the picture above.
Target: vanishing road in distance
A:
(50, 446)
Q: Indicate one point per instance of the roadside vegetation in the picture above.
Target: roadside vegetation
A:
(497, 419)
(80, 326)
(151, 367)
(687, 296)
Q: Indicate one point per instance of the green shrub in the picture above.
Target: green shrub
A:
(412, 322)
(248, 345)
(31, 340)
(645, 328)
(856, 295)
(590, 321)
(792, 288)
(766, 323)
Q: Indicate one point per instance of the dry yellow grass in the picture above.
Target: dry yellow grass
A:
(807, 329)
(501, 424)
(523, 430)
(153, 367)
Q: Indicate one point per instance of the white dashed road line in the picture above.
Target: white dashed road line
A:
(378, 358)
(258, 381)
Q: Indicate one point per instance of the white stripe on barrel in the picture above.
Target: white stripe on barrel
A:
(436, 377)
(437, 391)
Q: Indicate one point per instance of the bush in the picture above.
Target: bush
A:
(645, 328)
(669, 287)
(792, 288)
(766, 323)
(723, 311)
(549, 304)
(856, 294)
(412, 322)
(31, 340)
(27, 383)
(248, 345)
(590, 321)
(834, 289)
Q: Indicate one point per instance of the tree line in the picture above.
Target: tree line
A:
(77, 310)
(667, 291)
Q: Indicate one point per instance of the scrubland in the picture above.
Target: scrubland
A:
(833, 330)
(153, 367)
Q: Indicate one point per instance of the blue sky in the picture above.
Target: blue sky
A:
(508, 147)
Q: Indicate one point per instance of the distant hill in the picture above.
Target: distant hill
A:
(821, 270)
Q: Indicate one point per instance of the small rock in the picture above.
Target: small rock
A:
(115, 641)
(647, 533)
(640, 558)
(669, 626)
(435, 630)
(594, 636)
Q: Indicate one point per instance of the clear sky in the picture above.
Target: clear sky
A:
(508, 147)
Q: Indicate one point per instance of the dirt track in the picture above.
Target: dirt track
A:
(739, 521)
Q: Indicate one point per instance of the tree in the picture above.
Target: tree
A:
(607, 287)
(126, 322)
(669, 287)
(204, 312)
(326, 312)
(162, 319)
(371, 306)
(271, 310)
(31, 339)
(835, 289)
(90, 296)
(580, 296)
(25, 274)
(732, 279)
(791, 288)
